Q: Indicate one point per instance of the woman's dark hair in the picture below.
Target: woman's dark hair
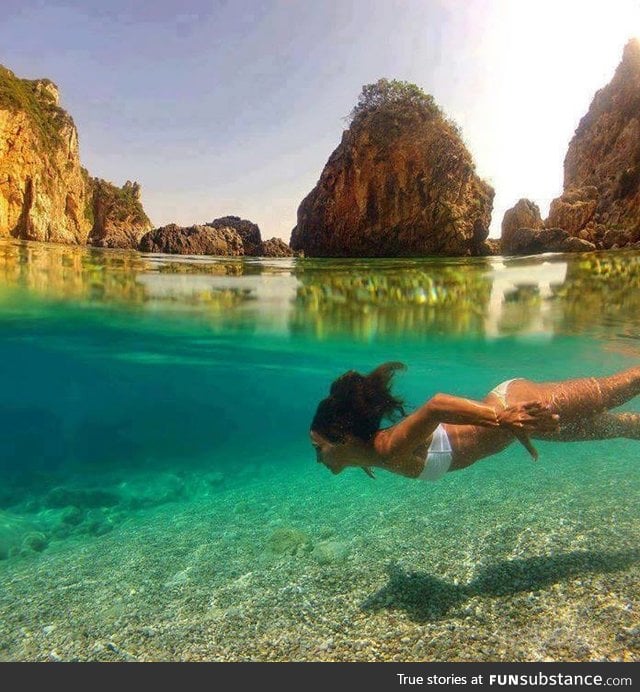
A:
(357, 404)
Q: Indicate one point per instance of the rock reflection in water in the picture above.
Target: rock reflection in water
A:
(358, 299)
(603, 289)
(390, 299)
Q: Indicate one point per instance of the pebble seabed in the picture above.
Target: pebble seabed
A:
(506, 561)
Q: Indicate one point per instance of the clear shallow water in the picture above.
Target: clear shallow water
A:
(154, 414)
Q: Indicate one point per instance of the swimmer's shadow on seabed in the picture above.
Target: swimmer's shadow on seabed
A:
(426, 598)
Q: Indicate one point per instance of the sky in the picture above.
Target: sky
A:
(234, 106)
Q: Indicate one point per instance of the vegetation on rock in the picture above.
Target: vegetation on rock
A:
(37, 103)
(119, 203)
(400, 183)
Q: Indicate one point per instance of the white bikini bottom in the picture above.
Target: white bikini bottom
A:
(501, 390)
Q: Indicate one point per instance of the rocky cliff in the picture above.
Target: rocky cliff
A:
(601, 198)
(44, 193)
(118, 217)
(400, 183)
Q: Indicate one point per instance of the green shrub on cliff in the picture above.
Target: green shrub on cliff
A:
(24, 95)
(391, 107)
(119, 204)
(394, 96)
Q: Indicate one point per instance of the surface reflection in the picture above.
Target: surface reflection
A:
(359, 299)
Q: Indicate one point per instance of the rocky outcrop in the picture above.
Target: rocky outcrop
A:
(525, 214)
(574, 211)
(275, 247)
(119, 220)
(602, 165)
(491, 246)
(533, 241)
(400, 183)
(42, 188)
(44, 193)
(193, 240)
(247, 230)
(239, 238)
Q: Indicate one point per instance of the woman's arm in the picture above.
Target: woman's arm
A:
(406, 435)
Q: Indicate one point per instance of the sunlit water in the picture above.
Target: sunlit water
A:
(159, 498)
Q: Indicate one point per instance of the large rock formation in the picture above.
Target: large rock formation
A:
(42, 189)
(400, 183)
(525, 214)
(118, 217)
(602, 165)
(247, 230)
(44, 192)
(523, 233)
(193, 240)
(228, 236)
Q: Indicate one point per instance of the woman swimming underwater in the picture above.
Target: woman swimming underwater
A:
(449, 433)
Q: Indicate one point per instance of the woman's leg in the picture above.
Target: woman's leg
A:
(602, 426)
(580, 398)
(582, 405)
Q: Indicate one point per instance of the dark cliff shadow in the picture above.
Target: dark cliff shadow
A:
(426, 598)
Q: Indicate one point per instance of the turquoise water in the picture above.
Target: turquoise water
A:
(160, 499)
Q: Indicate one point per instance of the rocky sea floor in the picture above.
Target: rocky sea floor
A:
(506, 561)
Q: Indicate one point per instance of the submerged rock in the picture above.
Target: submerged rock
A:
(72, 516)
(141, 493)
(330, 551)
(82, 498)
(400, 183)
(35, 542)
(289, 541)
(18, 534)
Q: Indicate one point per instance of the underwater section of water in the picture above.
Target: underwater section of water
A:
(155, 461)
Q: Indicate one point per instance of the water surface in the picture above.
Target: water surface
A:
(160, 499)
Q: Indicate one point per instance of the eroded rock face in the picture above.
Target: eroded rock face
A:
(525, 214)
(42, 188)
(247, 230)
(193, 240)
(602, 165)
(396, 186)
(275, 247)
(44, 193)
(119, 220)
(574, 210)
(533, 241)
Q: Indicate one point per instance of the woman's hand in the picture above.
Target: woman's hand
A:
(530, 416)
(526, 418)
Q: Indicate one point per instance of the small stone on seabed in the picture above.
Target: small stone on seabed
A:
(330, 551)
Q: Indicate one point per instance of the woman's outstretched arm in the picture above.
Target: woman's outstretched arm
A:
(519, 419)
